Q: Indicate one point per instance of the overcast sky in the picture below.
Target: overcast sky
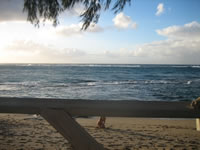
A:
(147, 32)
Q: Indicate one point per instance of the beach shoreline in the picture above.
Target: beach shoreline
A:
(20, 131)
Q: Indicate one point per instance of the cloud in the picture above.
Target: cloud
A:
(172, 48)
(29, 51)
(70, 30)
(122, 21)
(188, 31)
(75, 30)
(160, 9)
(24, 46)
(182, 46)
(73, 52)
(33, 47)
(94, 28)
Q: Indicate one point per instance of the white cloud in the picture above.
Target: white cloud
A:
(72, 52)
(160, 9)
(75, 30)
(94, 28)
(122, 21)
(174, 50)
(67, 31)
(24, 46)
(181, 46)
(23, 51)
(33, 47)
(188, 31)
(171, 48)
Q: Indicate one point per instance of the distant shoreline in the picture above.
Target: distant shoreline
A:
(89, 64)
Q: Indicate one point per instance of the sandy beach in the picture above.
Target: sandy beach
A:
(28, 132)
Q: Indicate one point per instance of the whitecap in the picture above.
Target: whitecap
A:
(195, 66)
(91, 83)
(180, 66)
(156, 82)
(107, 65)
(119, 82)
(8, 88)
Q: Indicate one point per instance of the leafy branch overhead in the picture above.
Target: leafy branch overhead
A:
(51, 9)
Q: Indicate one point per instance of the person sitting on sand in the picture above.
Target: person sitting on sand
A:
(101, 122)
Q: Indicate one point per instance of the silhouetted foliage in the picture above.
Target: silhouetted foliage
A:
(50, 9)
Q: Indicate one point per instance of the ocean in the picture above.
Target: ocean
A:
(101, 82)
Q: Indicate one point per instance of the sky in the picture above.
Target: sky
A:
(147, 32)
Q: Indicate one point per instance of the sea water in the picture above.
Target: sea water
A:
(101, 82)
